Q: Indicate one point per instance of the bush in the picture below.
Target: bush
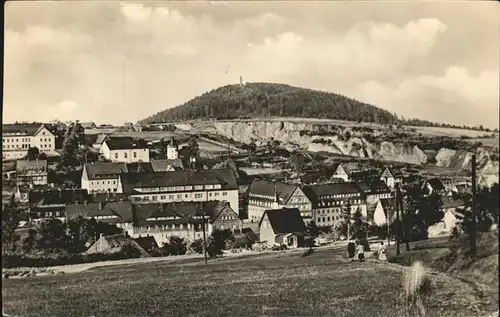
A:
(281, 247)
(197, 246)
(175, 246)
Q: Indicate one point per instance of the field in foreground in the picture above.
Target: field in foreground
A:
(287, 284)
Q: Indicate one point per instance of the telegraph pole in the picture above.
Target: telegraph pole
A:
(204, 234)
(397, 220)
(405, 233)
(473, 209)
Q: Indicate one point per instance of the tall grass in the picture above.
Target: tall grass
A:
(416, 285)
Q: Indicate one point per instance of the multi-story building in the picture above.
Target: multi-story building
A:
(125, 150)
(329, 200)
(18, 138)
(31, 173)
(103, 177)
(51, 203)
(264, 195)
(162, 220)
(181, 186)
(374, 191)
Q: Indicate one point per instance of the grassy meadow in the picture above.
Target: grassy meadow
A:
(281, 284)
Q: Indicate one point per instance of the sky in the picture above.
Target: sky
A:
(112, 62)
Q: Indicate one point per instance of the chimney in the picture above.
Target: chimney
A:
(241, 80)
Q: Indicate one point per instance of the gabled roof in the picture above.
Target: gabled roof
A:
(83, 210)
(176, 213)
(147, 243)
(319, 191)
(115, 243)
(103, 170)
(388, 204)
(23, 166)
(107, 197)
(285, 220)
(122, 209)
(225, 178)
(100, 138)
(56, 196)
(139, 167)
(281, 191)
(165, 165)
(375, 186)
(395, 172)
(125, 143)
(29, 129)
(436, 184)
(351, 167)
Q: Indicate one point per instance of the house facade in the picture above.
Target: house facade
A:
(125, 150)
(51, 203)
(391, 177)
(184, 220)
(264, 195)
(181, 186)
(282, 226)
(18, 138)
(31, 173)
(374, 191)
(102, 177)
(328, 202)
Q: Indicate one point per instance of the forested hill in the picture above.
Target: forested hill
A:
(265, 99)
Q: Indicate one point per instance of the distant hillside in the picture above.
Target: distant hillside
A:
(265, 99)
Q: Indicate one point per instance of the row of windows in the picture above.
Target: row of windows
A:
(102, 182)
(327, 219)
(171, 196)
(338, 202)
(181, 188)
(125, 155)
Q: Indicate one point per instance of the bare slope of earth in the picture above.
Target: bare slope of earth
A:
(401, 144)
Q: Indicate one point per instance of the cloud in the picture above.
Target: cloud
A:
(454, 97)
(131, 60)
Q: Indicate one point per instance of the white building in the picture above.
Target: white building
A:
(265, 195)
(102, 177)
(18, 138)
(172, 150)
(181, 186)
(328, 202)
(125, 150)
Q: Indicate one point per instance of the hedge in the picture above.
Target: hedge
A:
(21, 260)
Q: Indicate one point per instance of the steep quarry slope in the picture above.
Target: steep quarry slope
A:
(331, 138)
(312, 137)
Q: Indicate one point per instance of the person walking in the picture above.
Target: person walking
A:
(382, 252)
(361, 252)
(351, 250)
